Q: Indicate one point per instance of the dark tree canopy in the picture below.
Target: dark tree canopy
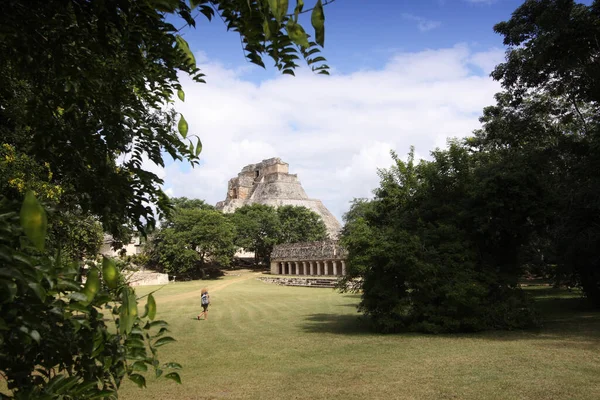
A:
(300, 224)
(259, 227)
(444, 242)
(193, 234)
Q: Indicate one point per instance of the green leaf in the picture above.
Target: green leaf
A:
(138, 380)
(78, 296)
(9, 289)
(168, 6)
(128, 313)
(183, 126)
(172, 365)
(198, 148)
(154, 324)
(103, 395)
(35, 335)
(297, 34)
(78, 306)
(135, 343)
(39, 291)
(317, 19)
(163, 341)
(92, 285)
(185, 48)
(181, 95)
(279, 9)
(174, 376)
(110, 273)
(298, 9)
(34, 221)
(139, 366)
(82, 388)
(151, 307)
(267, 30)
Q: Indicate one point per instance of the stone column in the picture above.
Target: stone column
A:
(318, 268)
(296, 268)
(326, 267)
(274, 268)
(289, 271)
(343, 267)
(304, 268)
(334, 267)
(312, 271)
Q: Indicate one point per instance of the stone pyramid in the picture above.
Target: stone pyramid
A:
(269, 182)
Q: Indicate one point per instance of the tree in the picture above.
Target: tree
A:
(55, 341)
(423, 266)
(300, 224)
(257, 230)
(86, 92)
(443, 244)
(553, 52)
(191, 238)
(87, 88)
(77, 236)
(181, 203)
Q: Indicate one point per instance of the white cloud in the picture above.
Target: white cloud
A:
(487, 60)
(423, 24)
(333, 131)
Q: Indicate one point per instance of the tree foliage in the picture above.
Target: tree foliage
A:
(444, 242)
(300, 224)
(259, 227)
(257, 230)
(193, 234)
(87, 88)
(423, 266)
(553, 64)
(55, 341)
(86, 101)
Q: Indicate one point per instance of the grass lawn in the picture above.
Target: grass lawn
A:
(264, 341)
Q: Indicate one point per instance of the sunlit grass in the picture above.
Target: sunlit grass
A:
(264, 341)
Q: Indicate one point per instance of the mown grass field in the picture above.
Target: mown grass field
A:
(264, 341)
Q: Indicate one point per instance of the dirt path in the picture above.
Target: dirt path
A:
(211, 288)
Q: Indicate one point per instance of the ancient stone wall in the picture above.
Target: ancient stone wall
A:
(327, 249)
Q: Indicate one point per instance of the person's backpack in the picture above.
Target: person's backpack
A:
(204, 299)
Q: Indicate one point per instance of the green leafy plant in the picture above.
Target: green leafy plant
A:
(56, 339)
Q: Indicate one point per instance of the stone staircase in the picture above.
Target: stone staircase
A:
(319, 282)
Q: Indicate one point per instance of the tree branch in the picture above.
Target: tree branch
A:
(580, 115)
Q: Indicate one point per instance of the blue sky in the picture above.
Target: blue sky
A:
(405, 73)
(362, 33)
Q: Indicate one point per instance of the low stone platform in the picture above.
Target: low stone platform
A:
(146, 278)
(308, 281)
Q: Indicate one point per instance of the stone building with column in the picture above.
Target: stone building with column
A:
(323, 259)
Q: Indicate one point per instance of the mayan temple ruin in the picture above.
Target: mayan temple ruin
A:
(269, 182)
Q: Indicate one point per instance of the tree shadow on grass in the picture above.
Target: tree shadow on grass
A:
(342, 324)
(566, 320)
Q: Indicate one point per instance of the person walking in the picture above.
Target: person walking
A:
(204, 302)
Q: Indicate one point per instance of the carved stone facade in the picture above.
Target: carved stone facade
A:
(269, 182)
(326, 258)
